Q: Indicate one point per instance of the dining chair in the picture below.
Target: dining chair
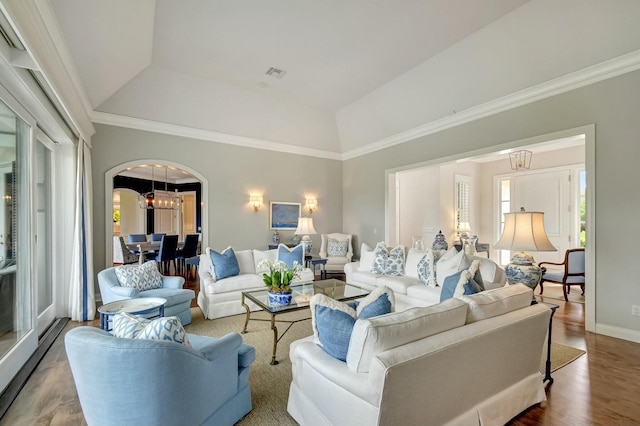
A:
(137, 238)
(155, 237)
(121, 253)
(167, 253)
(572, 274)
(189, 249)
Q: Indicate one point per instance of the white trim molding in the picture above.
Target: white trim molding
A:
(207, 135)
(618, 332)
(593, 74)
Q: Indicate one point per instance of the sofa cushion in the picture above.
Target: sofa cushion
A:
(239, 282)
(427, 293)
(260, 255)
(225, 264)
(245, 262)
(397, 284)
(290, 256)
(366, 258)
(365, 277)
(414, 256)
(373, 336)
(141, 277)
(332, 320)
(388, 262)
(450, 265)
(491, 303)
(337, 248)
(166, 328)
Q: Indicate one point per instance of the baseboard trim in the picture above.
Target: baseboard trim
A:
(18, 382)
(618, 332)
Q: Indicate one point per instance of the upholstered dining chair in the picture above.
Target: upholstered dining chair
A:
(189, 249)
(572, 272)
(121, 254)
(137, 238)
(167, 252)
(338, 251)
(133, 381)
(155, 237)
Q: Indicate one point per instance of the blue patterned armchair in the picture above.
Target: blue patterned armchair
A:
(178, 299)
(159, 382)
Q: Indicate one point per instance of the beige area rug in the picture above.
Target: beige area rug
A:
(554, 291)
(270, 383)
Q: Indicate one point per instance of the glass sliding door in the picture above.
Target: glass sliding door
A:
(18, 339)
(43, 271)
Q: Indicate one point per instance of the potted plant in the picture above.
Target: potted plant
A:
(278, 280)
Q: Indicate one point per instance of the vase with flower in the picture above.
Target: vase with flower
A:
(278, 280)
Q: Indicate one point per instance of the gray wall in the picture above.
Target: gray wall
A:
(233, 173)
(612, 105)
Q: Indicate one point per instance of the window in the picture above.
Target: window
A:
(462, 197)
(505, 207)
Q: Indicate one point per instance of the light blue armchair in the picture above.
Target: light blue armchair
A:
(178, 299)
(158, 382)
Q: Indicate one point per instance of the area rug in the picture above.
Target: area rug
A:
(270, 383)
(554, 291)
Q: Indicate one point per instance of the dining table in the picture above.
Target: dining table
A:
(147, 247)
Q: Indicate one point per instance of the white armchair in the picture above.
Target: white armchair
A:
(338, 251)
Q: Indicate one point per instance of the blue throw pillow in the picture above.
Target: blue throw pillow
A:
(458, 284)
(332, 321)
(289, 256)
(225, 264)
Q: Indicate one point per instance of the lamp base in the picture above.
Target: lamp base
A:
(306, 243)
(522, 269)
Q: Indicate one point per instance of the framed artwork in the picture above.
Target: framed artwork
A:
(283, 215)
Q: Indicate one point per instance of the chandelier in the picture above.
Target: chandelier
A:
(158, 200)
(520, 160)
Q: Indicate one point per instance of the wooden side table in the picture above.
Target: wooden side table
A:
(312, 262)
(547, 370)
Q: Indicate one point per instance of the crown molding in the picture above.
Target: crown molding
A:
(207, 135)
(593, 74)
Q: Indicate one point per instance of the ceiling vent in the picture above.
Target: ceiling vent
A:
(275, 72)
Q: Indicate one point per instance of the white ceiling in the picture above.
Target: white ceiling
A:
(333, 51)
(360, 74)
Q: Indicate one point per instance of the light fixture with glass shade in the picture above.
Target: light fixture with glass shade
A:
(520, 160)
(305, 228)
(156, 200)
(524, 231)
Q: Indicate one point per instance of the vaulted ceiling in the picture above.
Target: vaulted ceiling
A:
(356, 72)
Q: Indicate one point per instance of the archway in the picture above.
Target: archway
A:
(109, 186)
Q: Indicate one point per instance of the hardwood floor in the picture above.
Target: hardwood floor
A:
(599, 388)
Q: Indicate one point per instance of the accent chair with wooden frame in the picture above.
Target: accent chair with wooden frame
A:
(333, 249)
(572, 274)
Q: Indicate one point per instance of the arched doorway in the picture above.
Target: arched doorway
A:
(172, 179)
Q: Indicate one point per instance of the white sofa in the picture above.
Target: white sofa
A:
(221, 298)
(408, 290)
(471, 360)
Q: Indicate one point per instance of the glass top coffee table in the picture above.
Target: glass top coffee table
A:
(336, 289)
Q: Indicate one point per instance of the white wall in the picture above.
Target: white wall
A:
(419, 205)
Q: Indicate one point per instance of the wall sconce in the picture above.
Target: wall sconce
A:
(256, 202)
(312, 203)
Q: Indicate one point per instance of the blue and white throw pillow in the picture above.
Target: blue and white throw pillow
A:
(225, 264)
(337, 248)
(332, 321)
(128, 326)
(427, 272)
(388, 262)
(458, 284)
(291, 256)
(141, 277)
(167, 328)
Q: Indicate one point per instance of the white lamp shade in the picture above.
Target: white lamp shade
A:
(524, 231)
(305, 226)
(464, 227)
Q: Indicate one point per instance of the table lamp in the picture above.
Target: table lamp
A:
(524, 231)
(305, 228)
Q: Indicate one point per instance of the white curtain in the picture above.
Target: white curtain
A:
(82, 301)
